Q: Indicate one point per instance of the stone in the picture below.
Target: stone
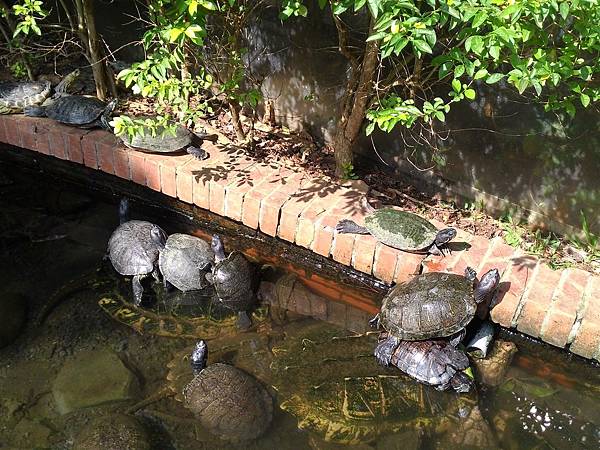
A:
(92, 378)
(113, 432)
(13, 313)
(492, 369)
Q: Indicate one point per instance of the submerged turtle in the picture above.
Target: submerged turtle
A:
(133, 249)
(185, 261)
(330, 382)
(17, 95)
(434, 304)
(76, 110)
(234, 279)
(165, 142)
(402, 230)
(436, 363)
(228, 402)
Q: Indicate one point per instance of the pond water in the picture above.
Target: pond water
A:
(74, 363)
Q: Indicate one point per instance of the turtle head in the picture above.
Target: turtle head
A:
(487, 285)
(110, 107)
(124, 210)
(217, 247)
(199, 357)
(444, 236)
(158, 236)
(461, 382)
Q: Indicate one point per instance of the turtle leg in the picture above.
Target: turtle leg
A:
(34, 111)
(374, 322)
(197, 152)
(435, 250)
(349, 226)
(243, 321)
(156, 274)
(138, 290)
(385, 350)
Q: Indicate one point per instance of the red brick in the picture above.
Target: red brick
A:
(13, 136)
(292, 209)
(121, 163)
(106, 156)
(185, 183)
(168, 180)
(268, 217)
(474, 256)
(497, 257)
(88, 146)
(407, 266)
(569, 297)
(42, 143)
(587, 340)
(324, 231)
(591, 311)
(235, 173)
(539, 298)
(137, 168)
(29, 141)
(384, 267)
(336, 313)
(152, 174)
(3, 137)
(363, 253)
(343, 246)
(59, 147)
(557, 327)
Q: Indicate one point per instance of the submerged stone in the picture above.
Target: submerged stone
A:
(13, 312)
(92, 378)
(113, 432)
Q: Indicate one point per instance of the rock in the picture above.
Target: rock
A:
(31, 434)
(493, 368)
(113, 432)
(403, 440)
(13, 313)
(473, 431)
(93, 378)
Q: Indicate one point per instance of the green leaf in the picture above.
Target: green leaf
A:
(480, 74)
(494, 78)
(470, 94)
(422, 46)
(479, 18)
(585, 100)
(456, 85)
(374, 7)
(564, 10)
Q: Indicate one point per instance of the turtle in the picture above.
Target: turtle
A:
(402, 230)
(234, 280)
(76, 110)
(229, 402)
(185, 261)
(165, 142)
(133, 249)
(114, 431)
(434, 304)
(327, 378)
(436, 363)
(17, 95)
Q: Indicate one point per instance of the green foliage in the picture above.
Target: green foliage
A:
(159, 125)
(590, 244)
(348, 172)
(545, 49)
(29, 12)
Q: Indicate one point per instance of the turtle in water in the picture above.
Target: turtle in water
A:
(328, 379)
(184, 262)
(402, 230)
(77, 110)
(429, 306)
(133, 249)
(165, 142)
(235, 280)
(17, 95)
(228, 402)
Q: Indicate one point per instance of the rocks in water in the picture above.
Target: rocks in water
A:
(473, 431)
(93, 378)
(13, 313)
(113, 432)
(492, 369)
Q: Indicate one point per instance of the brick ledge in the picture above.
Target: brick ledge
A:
(560, 307)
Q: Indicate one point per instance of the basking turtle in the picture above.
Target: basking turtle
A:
(402, 230)
(234, 279)
(17, 95)
(434, 304)
(185, 261)
(133, 249)
(76, 110)
(436, 363)
(328, 379)
(165, 142)
(228, 402)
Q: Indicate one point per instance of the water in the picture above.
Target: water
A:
(324, 375)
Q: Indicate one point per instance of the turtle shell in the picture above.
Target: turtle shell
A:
(162, 142)
(234, 281)
(75, 109)
(14, 95)
(328, 379)
(432, 362)
(185, 260)
(400, 229)
(229, 402)
(131, 248)
(431, 305)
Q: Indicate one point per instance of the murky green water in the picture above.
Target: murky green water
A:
(80, 364)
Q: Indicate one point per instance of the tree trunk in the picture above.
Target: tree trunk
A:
(353, 115)
(105, 85)
(234, 109)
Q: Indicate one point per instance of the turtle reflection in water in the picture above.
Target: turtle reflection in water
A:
(333, 386)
